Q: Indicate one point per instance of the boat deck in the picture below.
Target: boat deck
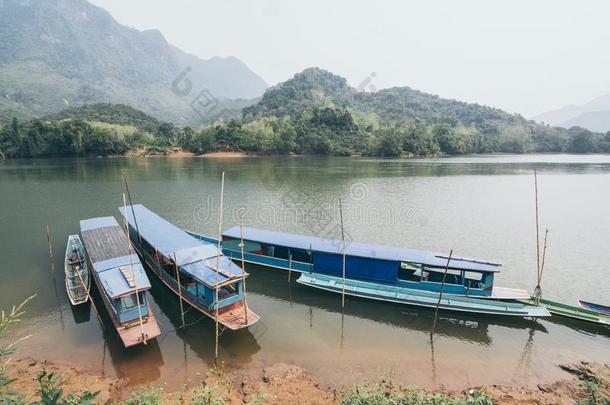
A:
(131, 334)
(105, 243)
(235, 318)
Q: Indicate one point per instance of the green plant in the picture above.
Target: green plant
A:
(204, 395)
(8, 396)
(259, 399)
(363, 395)
(595, 396)
(51, 392)
(145, 396)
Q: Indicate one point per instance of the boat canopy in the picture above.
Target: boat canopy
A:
(195, 258)
(204, 271)
(356, 249)
(108, 250)
(166, 237)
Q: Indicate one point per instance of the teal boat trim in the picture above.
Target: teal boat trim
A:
(396, 294)
(570, 311)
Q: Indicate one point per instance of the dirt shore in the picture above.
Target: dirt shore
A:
(282, 383)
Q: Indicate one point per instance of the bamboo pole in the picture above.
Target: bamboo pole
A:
(289, 266)
(310, 259)
(546, 234)
(87, 288)
(440, 295)
(133, 272)
(51, 257)
(343, 247)
(538, 289)
(135, 220)
(222, 191)
(179, 290)
(243, 266)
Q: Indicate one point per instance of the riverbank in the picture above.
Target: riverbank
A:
(282, 383)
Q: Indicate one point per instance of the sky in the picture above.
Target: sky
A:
(522, 56)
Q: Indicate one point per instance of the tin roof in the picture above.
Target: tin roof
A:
(380, 252)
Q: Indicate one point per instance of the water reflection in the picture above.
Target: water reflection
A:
(235, 347)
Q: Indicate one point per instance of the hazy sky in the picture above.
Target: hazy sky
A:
(522, 56)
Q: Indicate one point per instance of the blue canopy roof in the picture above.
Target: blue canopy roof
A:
(167, 238)
(195, 257)
(361, 249)
(204, 271)
(115, 283)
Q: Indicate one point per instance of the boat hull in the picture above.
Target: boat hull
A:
(77, 287)
(497, 293)
(390, 293)
(570, 311)
(600, 309)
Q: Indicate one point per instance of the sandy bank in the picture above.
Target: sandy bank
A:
(282, 383)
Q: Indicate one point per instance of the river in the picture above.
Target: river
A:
(479, 206)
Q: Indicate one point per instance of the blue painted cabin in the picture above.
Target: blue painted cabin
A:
(409, 268)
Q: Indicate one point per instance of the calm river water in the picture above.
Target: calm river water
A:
(477, 206)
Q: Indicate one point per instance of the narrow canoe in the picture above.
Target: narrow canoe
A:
(570, 311)
(392, 293)
(600, 309)
(76, 270)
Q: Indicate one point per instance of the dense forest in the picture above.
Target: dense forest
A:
(315, 112)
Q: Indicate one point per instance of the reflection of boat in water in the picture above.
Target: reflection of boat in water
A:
(236, 347)
(383, 273)
(81, 313)
(467, 327)
(139, 365)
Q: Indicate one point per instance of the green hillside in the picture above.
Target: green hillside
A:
(57, 54)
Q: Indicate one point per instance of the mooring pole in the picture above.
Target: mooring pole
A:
(135, 220)
(343, 247)
(179, 289)
(538, 289)
(222, 191)
(51, 257)
(133, 271)
(82, 281)
(243, 265)
(440, 295)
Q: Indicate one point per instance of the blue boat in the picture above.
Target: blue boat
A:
(379, 272)
(191, 268)
(406, 268)
(600, 309)
(120, 279)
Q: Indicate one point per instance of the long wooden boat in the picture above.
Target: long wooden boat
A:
(600, 309)
(190, 268)
(76, 270)
(120, 279)
(404, 268)
(409, 296)
(570, 311)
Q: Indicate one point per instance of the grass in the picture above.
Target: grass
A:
(594, 386)
(378, 395)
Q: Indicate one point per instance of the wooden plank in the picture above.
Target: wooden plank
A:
(105, 243)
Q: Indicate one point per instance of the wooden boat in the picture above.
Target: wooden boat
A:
(600, 309)
(120, 279)
(76, 269)
(404, 268)
(190, 268)
(570, 311)
(423, 298)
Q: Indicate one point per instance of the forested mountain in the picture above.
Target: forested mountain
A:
(315, 112)
(56, 54)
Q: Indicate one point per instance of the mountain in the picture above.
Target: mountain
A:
(594, 115)
(317, 87)
(56, 54)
